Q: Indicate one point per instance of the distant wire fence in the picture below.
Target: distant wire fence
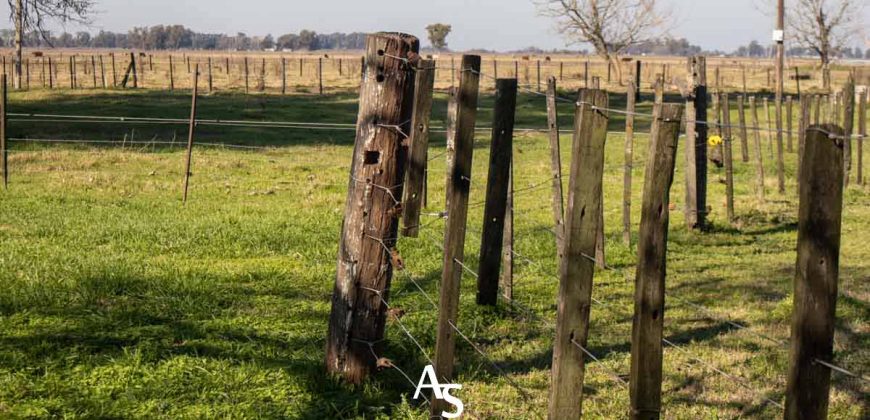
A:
(460, 132)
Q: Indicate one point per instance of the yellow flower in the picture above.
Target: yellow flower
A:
(714, 140)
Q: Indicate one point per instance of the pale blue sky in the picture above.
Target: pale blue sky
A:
(491, 24)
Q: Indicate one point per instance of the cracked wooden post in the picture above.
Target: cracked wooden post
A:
(576, 268)
(454, 231)
(649, 297)
(418, 156)
(367, 256)
(696, 144)
(495, 207)
(555, 165)
(817, 274)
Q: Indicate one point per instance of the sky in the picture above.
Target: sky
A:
(491, 24)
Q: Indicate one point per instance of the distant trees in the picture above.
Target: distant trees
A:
(754, 49)
(665, 46)
(438, 35)
(826, 27)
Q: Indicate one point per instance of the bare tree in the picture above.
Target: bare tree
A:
(826, 27)
(610, 26)
(35, 15)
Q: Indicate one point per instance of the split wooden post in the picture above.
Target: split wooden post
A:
(789, 104)
(759, 158)
(495, 207)
(367, 254)
(454, 232)
(859, 142)
(171, 74)
(191, 132)
(696, 144)
(576, 270)
(817, 274)
(649, 297)
(3, 147)
(555, 165)
(418, 144)
(728, 157)
(741, 118)
(630, 99)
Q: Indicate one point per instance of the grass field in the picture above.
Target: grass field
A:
(117, 301)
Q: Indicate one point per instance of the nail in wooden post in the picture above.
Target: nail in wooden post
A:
(629, 163)
(5, 151)
(171, 74)
(744, 137)
(696, 144)
(576, 269)
(495, 207)
(555, 165)
(649, 297)
(728, 156)
(454, 232)
(367, 254)
(817, 274)
(418, 143)
(862, 134)
(191, 132)
(759, 158)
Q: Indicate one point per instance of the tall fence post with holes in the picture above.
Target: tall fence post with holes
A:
(577, 268)
(418, 157)
(629, 162)
(817, 273)
(649, 297)
(696, 144)
(454, 233)
(501, 151)
(555, 165)
(367, 255)
(728, 156)
(191, 132)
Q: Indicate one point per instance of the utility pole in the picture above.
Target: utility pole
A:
(779, 38)
(19, 38)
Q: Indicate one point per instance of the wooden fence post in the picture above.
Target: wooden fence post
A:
(859, 142)
(368, 239)
(3, 146)
(103, 72)
(283, 76)
(171, 74)
(576, 270)
(42, 73)
(50, 74)
(320, 76)
(649, 297)
(741, 118)
(418, 157)
(637, 70)
(848, 127)
(114, 72)
(454, 232)
(450, 136)
(630, 98)
(817, 274)
(728, 157)
(210, 78)
(501, 151)
(555, 165)
(586, 74)
(539, 75)
(769, 131)
(191, 132)
(507, 273)
(806, 108)
(135, 72)
(72, 69)
(759, 158)
(246, 75)
(789, 104)
(696, 144)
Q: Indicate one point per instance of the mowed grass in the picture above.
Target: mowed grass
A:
(118, 301)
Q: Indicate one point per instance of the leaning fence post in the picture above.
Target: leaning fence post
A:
(367, 254)
(418, 157)
(696, 144)
(500, 154)
(576, 269)
(817, 273)
(454, 232)
(649, 297)
(555, 165)
(192, 130)
(759, 158)
(630, 98)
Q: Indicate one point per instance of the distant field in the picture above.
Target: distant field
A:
(117, 301)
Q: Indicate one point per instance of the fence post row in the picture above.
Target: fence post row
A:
(418, 157)
(817, 273)
(367, 255)
(459, 181)
(576, 269)
(495, 207)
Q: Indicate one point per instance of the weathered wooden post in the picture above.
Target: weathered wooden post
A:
(769, 131)
(741, 118)
(171, 74)
(507, 272)
(135, 72)
(637, 70)
(575, 269)
(806, 108)
(418, 157)
(210, 78)
(103, 72)
(3, 147)
(848, 126)
(283, 76)
(649, 297)
(454, 232)
(555, 165)
(817, 274)
(696, 144)
(320, 75)
(789, 104)
(450, 136)
(191, 132)
(862, 134)
(114, 72)
(367, 247)
(728, 157)
(759, 158)
(72, 72)
(539, 75)
(630, 99)
(501, 152)
(94, 70)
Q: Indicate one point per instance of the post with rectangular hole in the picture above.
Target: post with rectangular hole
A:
(418, 157)
(696, 144)
(728, 156)
(495, 207)
(629, 163)
(577, 268)
(190, 134)
(4, 152)
(454, 232)
(817, 274)
(366, 254)
(555, 165)
(649, 297)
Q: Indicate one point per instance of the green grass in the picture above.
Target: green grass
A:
(117, 301)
